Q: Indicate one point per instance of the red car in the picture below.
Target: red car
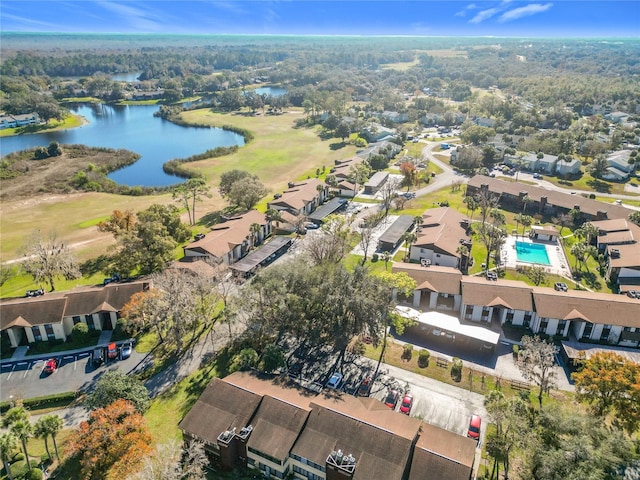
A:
(112, 351)
(392, 399)
(51, 365)
(407, 403)
(474, 427)
(365, 387)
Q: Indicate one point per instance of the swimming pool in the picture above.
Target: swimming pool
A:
(532, 253)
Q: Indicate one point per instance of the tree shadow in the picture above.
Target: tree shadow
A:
(96, 265)
(213, 218)
(591, 280)
(325, 135)
(599, 185)
(337, 145)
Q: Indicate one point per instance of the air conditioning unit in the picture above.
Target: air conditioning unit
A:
(614, 252)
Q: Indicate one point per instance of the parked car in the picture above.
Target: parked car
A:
(474, 427)
(407, 403)
(392, 399)
(365, 387)
(97, 356)
(112, 351)
(537, 176)
(560, 286)
(335, 381)
(51, 365)
(198, 236)
(125, 351)
(296, 369)
(34, 293)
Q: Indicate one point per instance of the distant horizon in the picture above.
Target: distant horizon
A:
(320, 35)
(405, 18)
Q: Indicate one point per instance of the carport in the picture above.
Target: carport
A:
(447, 324)
(327, 209)
(263, 256)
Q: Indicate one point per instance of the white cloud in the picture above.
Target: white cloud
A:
(463, 12)
(527, 10)
(483, 15)
(139, 18)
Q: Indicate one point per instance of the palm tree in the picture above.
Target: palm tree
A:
(417, 220)
(472, 206)
(409, 239)
(525, 201)
(40, 431)
(8, 444)
(463, 251)
(53, 424)
(590, 232)
(385, 256)
(23, 430)
(255, 231)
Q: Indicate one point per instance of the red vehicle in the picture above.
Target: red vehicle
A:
(392, 399)
(112, 351)
(365, 387)
(407, 403)
(51, 365)
(474, 427)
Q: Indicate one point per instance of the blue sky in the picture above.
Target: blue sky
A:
(538, 18)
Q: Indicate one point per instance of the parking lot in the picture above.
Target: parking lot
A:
(26, 378)
(434, 402)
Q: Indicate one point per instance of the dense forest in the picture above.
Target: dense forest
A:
(547, 73)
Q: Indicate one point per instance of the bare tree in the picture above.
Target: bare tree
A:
(535, 361)
(163, 464)
(366, 236)
(388, 192)
(194, 460)
(46, 258)
(331, 243)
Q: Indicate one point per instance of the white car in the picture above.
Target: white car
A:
(335, 381)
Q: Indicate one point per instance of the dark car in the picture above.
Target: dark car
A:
(365, 387)
(392, 399)
(560, 286)
(51, 365)
(474, 427)
(97, 356)
(125, 351)
(407, 403)
(34, 293)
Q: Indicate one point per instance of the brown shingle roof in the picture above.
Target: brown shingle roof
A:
(299, 195)
(628, 255)
(442, 455)
(435, 278)
(378, 452)
(602, 308)
(563, 200)
(224, 236)
(276, 426)
(221, 407)
(508, 293)
(101, 299)
(27, 312)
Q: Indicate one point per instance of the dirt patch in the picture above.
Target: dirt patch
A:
(24, 177)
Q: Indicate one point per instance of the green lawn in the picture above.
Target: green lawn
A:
(70, 121)
(279, 153)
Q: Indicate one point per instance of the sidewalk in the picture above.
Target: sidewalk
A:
(21, 352)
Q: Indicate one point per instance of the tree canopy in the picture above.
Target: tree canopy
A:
(114, 385)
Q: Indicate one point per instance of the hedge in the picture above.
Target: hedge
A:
(47, 401)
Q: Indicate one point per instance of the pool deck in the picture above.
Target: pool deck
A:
(558, 262)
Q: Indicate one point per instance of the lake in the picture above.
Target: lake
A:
(132, 127)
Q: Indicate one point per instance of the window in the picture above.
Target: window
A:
(588, 329)
(544, 323)
(76, 319)
(510, 316)
(562, 324)
(50, 333)
(527, 320)
(36, 333)
(606, 330)
(89, 320)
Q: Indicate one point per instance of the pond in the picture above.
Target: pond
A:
(134, 128)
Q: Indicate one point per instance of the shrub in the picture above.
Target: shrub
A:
(515, 349)
(33, 474)
(423, 358)
(407, 351)
(245, 360)
(444, 203)
(374, 258)
(456, 369)
(359, 347)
